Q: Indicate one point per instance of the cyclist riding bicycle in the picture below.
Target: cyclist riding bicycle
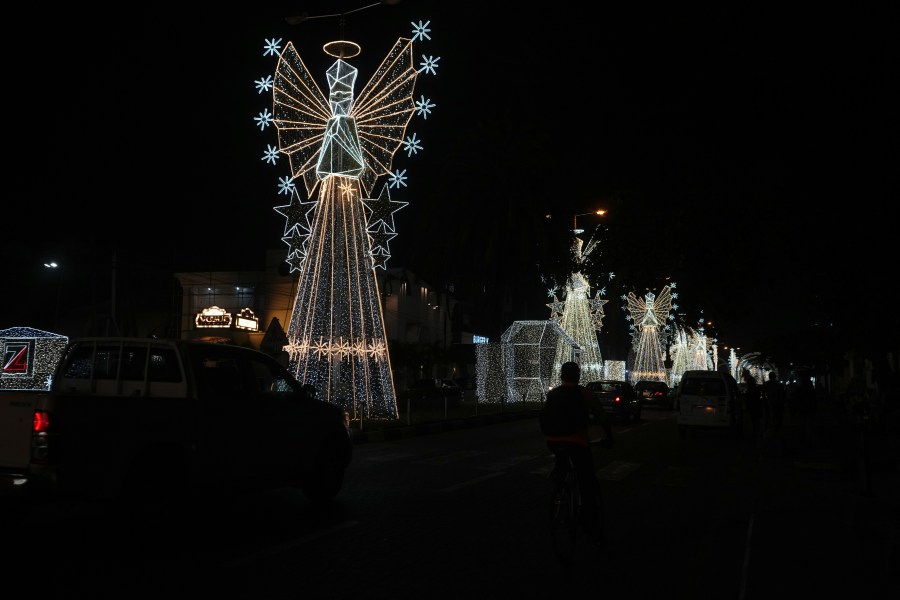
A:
(565, 422)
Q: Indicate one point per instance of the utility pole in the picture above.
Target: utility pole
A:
(112, 301)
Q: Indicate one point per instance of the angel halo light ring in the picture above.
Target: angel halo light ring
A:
(342, 49)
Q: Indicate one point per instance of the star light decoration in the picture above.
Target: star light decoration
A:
(336, 232)
(650, 315)
(580, 316)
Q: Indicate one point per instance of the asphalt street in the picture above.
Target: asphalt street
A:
(827, 500)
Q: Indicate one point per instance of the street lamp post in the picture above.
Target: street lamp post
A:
(599, 212)
(54, 265)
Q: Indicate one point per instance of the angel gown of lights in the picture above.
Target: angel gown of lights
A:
(580, 317)
(679, 354)
(649, 314)
(699, 351)
(336, 335)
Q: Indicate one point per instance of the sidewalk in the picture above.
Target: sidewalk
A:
(400, 430)
(827, 510)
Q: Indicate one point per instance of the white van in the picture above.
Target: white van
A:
(707, 399)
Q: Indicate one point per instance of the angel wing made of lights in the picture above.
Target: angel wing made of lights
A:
(650, 307)
(637, 308)
(663, 305)
(381, 111)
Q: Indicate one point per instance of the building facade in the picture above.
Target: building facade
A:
(253, 308)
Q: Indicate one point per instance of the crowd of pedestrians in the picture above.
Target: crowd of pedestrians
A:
(768, 404)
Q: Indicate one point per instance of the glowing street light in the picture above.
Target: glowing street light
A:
(55, 265)
(599, 212)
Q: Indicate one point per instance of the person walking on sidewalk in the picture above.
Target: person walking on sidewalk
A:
(803, 398)
(753, 403)
(775, 398)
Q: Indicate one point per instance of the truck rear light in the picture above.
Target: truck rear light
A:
(40, 442)
(41, 421)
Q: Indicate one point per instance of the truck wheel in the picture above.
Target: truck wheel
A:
(154, 478)
(322, 486)
(327, 478)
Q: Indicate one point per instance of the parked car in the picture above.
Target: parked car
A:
(466, 386)
(616, 398)
(707, 400)
(431, 393)
(653, 393)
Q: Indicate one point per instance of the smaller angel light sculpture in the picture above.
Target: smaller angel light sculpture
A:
(650, 314)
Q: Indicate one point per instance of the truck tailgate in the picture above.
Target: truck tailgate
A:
(16, 418)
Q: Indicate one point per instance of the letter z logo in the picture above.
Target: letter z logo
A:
(16, 358)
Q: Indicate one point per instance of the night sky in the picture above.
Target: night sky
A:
(749, 156)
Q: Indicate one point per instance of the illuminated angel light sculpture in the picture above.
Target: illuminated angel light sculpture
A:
(580, 316)
(649, 314)
(733, 363)
(698, 354)
(342, 146)
(702, 348)
(678, 352)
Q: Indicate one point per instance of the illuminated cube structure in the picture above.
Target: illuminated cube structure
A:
(614, 369)
(521, 367)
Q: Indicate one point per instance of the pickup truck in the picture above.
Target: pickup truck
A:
(148, 419)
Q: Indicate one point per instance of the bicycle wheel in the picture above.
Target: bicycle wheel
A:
(600, 533)
(564, 520)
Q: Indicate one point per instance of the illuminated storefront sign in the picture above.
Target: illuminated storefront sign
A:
(213, 317)
(246, 319)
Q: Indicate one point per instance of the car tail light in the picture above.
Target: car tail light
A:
(618, 399)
